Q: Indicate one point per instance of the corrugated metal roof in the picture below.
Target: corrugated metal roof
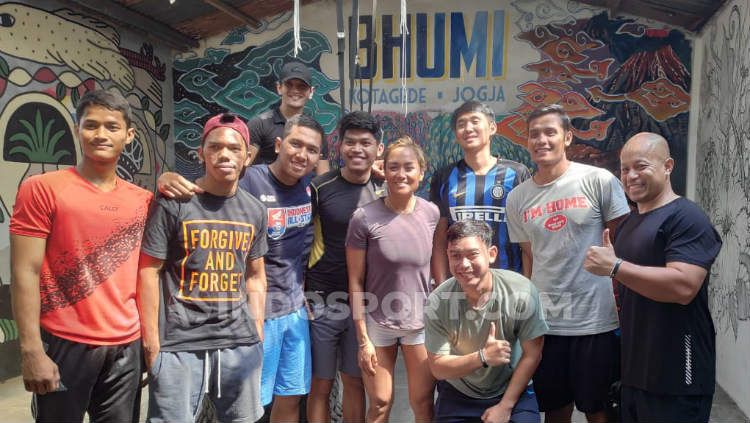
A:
(185, 21)
(688, 14)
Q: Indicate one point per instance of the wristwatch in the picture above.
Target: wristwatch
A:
(481, 357)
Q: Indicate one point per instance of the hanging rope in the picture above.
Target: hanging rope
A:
(297, 42)
(357, 61)
(341, 34)
(371, 59)
(404, 32)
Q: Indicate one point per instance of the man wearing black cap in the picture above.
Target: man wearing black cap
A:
(295, 88)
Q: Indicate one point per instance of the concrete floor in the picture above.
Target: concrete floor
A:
(14, 403)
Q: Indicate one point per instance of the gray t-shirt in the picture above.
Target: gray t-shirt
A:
(399, 248)
(562, 219)
(453, 326)
(205, 243)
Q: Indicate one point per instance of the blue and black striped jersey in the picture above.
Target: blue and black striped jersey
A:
(461, 194)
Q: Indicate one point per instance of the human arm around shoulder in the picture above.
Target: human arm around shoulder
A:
(356, 265)
(173, 185)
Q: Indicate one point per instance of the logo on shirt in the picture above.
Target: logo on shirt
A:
(486, 213)
(282, 218)
(556, 222)
(498, 192)
(555, 207)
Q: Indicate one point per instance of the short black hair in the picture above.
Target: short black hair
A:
(360, 120)
(550, 109)
(472, 106)
(468, 228)
(304, 121)
(109, 100)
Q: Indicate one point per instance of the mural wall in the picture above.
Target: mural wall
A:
(615, 77)
(723, 187)
(49, 57)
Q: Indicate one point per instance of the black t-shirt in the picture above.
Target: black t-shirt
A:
(334, 199)
(265, 128)
(205, 243)
(668, 348)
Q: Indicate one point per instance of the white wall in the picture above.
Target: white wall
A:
(722, 184)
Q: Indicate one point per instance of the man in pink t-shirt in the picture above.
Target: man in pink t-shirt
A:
(75, 239)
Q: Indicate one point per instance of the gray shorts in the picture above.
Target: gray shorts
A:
(230, 378)
(334, 341)
(382, 336)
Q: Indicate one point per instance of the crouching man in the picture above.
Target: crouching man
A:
(201, 289)
(471, 322)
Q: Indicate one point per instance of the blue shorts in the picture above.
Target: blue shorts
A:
(287, 362)
(452, 406)
(229, 377)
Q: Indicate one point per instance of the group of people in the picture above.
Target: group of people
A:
(256, 285)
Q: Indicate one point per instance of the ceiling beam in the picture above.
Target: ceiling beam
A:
(110, 10)
(234, 12)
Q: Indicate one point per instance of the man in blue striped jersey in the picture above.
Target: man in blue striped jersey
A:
(476, 187)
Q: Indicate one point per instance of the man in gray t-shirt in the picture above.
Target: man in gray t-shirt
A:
(471, 322)
(555, 216)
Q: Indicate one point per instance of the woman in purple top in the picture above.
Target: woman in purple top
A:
(388, 251)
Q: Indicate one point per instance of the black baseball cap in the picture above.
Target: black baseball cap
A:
(296, 70)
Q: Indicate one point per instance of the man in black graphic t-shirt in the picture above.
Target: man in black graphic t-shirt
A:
(662, 256)
(201, 288)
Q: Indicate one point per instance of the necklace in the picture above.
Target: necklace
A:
(409, 206)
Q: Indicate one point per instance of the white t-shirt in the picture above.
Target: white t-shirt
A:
(562, 219)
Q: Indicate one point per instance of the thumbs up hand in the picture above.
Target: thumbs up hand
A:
(601, 260)
(496, 351)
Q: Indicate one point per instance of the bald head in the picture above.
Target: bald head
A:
(645, 167)
(647, 144)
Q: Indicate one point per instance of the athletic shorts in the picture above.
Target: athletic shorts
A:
(229, 377)
(287, 362)
(452, 406)
(642, 406)
(334, 341)
(382, 336)
(577, 369)
(101, 380)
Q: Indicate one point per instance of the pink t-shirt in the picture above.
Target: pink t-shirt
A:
(399, 247)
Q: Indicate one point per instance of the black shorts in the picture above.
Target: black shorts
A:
(577, 369)
(103, 381)
(642, 406)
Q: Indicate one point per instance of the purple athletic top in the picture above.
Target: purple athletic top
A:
(399, 247)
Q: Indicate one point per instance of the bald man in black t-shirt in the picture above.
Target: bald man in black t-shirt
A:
(662, 256)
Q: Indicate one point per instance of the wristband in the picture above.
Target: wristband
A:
(615, 268)
(481, 358)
